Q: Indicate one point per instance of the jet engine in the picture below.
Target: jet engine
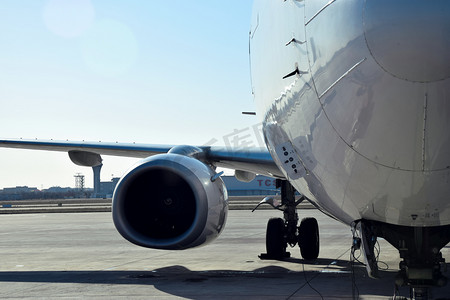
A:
(170, 201)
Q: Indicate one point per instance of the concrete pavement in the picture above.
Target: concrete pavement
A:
(80, 255)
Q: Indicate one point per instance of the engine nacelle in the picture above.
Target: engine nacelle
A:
(170, 201)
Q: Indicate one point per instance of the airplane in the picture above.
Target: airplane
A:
(354, 100)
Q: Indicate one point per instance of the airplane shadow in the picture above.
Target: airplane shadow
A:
(182, 282)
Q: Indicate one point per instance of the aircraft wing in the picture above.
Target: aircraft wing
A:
(255, 160)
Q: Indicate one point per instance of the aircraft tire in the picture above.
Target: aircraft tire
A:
(308, 239)
(275, 241)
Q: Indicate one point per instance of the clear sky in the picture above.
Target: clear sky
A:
(158, 72)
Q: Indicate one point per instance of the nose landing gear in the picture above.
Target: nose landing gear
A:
(282, 232)
(419, 247)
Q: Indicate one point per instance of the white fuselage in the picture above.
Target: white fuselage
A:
(365, 115)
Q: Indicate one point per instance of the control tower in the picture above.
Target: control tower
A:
(79, 181)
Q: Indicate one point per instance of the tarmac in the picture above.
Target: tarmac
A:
(77, 205)
(81, 256)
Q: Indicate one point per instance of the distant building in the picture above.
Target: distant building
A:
(58, 189)
(56, 192)
(19, 190)
(107, 188)
(261, 185)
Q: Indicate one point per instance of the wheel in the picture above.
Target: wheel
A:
(308, 238)
(275, 241)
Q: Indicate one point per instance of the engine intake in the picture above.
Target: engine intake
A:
(169, 201)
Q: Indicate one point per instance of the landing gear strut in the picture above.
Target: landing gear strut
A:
(283, 232)
(419, 247)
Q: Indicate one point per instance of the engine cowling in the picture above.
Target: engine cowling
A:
(170, 201)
